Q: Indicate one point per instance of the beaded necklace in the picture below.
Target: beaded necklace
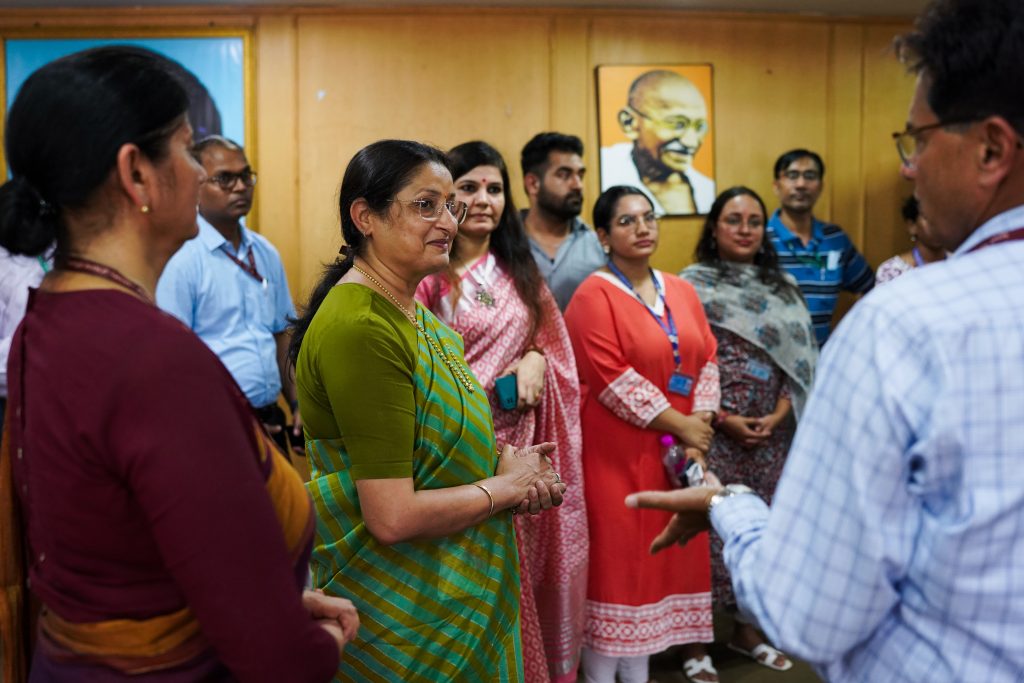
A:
(449, 360)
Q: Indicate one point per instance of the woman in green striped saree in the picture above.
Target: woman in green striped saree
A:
(413, 499)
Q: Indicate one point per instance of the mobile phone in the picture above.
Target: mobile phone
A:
(694, 473)
(508, 391)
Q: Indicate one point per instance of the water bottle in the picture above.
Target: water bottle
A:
(673, 455)
(682, 471)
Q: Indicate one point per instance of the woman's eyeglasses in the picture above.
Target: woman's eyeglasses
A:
(631, 222)
(430, 209)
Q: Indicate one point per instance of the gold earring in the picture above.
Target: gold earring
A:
(144, 208)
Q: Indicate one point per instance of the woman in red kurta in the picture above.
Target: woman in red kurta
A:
(636, 388)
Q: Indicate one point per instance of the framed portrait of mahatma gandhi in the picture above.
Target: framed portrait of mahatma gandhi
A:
(656, 132)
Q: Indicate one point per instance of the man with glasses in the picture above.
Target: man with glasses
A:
(818, 254)
(893, 548)
(666, 118)
(228, 285)
(565, 249)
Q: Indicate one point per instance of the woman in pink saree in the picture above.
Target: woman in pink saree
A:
(494, 296)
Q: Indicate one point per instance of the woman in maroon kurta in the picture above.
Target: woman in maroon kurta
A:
(635, 389)
(166, 540)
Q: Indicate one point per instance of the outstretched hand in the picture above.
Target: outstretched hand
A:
(689, 504)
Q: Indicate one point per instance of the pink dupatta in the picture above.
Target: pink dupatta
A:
(553, 546)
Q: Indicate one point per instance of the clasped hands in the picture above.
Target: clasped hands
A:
(530, 468)
(749, 431)
(337, 616)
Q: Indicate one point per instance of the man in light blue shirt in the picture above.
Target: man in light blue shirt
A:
(228, 285)
(565, 249)
(894, 546)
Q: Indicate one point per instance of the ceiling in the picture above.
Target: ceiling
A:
(859, 8)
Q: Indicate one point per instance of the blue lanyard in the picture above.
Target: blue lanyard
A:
(670, 329)
(43, 264)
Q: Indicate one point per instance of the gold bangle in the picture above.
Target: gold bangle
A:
(489, 497)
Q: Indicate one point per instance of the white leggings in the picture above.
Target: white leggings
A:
(602, 669)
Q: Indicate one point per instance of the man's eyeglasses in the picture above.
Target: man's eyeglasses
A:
(809, 176)
(677, 124)
(430, 209)
(226, 180)
(631, 222)
(908, 140)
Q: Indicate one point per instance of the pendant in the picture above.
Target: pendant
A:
(484, 297)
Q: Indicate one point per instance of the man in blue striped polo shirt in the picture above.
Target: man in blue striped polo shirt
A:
(819, 255)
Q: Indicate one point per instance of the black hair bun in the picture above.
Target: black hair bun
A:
(28, 223)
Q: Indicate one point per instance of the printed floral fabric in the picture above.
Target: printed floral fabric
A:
(735, 299)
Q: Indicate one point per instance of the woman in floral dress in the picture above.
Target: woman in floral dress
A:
(766, 358)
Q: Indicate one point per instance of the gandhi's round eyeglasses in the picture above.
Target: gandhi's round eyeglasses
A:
(677, 124)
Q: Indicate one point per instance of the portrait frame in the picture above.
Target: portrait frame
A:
(220, 59)
(654, 152)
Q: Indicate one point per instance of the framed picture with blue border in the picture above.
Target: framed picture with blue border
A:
(214, 65)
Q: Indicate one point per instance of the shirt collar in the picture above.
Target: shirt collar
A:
(784, 233)
(577, 224)
(1004, 222)
(213, 240)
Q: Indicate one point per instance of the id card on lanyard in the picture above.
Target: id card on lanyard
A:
(678, 383)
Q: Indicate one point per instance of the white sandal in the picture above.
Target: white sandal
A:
(694, 666)
(765, 655)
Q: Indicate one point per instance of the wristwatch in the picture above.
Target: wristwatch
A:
(728, 491)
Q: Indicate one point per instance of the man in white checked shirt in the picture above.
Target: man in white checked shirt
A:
(894, 550)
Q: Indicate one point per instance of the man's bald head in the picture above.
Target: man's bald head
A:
(666, 117)
(661, 89)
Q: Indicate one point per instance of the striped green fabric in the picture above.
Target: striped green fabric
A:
(437, 610)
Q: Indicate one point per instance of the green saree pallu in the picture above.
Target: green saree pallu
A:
(442, 609)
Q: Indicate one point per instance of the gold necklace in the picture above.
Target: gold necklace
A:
(453, 365)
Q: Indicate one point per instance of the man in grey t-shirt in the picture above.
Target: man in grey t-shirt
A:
(566, 250)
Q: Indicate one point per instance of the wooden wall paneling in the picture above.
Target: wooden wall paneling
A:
(844, 181)
(330, 80)
(127, 20)
(572, 106)
(887, 92)
(277, 152)
(572, 80)
(363, 78)
(842, 200)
